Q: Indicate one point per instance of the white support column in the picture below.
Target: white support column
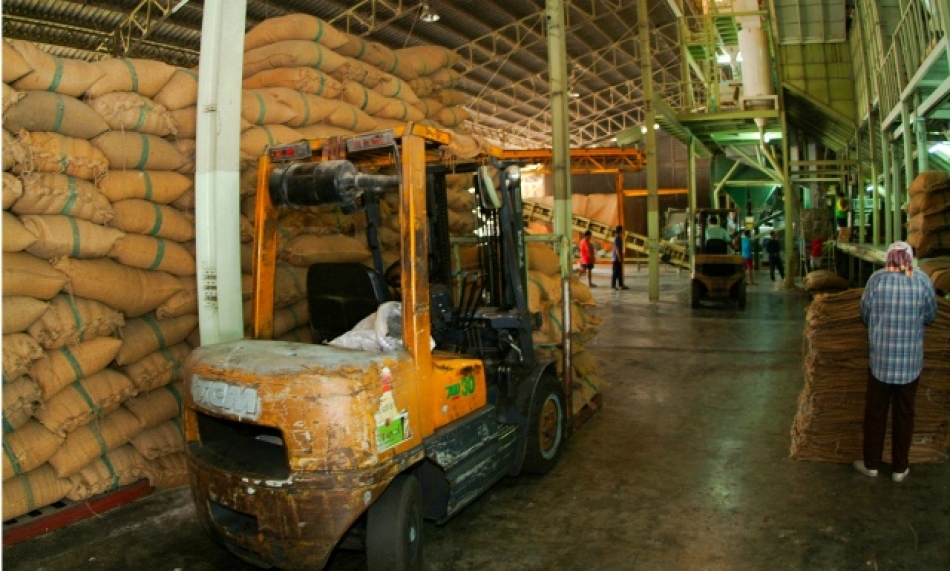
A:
(560, 128)
(217, 176)
(653, 197)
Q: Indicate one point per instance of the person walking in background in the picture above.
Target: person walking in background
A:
(816, 248)
(587, 257)
(896, 304)
(774, 250)
(616, 278)
(747, 248)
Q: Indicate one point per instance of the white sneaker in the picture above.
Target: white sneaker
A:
(860, 467)
(900, 476)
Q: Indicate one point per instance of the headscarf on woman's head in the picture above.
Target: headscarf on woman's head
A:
(900, 258)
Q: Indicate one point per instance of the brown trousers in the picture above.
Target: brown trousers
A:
(879, 398)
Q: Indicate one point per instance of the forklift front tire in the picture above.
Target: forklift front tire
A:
(394, 527)
(546, 428)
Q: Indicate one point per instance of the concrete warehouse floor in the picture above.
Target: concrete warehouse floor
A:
(685, 468)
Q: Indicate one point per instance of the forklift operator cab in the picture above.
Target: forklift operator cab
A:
(718, 273)
(296, 448)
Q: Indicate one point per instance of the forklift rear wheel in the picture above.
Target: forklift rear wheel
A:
(546, 427)
(695, 291)
(394, 527)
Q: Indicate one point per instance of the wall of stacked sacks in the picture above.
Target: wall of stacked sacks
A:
(99, 289)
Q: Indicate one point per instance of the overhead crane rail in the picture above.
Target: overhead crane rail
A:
(604, 160)
(675, 254)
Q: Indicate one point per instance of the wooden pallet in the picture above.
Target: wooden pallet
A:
(67, 512)
(589, 409)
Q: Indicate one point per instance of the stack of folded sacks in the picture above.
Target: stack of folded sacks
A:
(827, 426)
(929, 212)
(95, 265)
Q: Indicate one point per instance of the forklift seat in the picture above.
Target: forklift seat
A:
(716, 246)
(340, 296)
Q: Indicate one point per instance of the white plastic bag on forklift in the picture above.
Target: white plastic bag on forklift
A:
(380, 331)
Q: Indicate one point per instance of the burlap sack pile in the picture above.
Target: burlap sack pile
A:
(92, 254)
(827, 426)
(928, 229)
(939, 271)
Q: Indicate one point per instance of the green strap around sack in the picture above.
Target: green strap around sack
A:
(159, 255)
(150, 321)
(133, 75)
(146, 149)
(72, 194)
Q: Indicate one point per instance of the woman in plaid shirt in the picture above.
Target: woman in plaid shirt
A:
(896, 304)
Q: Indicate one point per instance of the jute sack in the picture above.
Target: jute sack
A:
(824, 281)
(180, 91)
(401, 111)
(143, 76)
(292, 53)
(247, 230)
(299, 335)
(146, 335)
(381, 57)
(93, 440)
(929, 202)
(94, 396)
(550, 286)
(166, 438)
(464, 146)
(186, 121)
(121, 467)
(16, 236)
(156, 406)
(256, 140)
(542, 258)
(389, 239)
(535, 294)
(128, 150)
(182, 303)
(451, 97)
(62, 367)
(452, 116)
(19, 312)
(158, 369)
(194, 340)
(429, 107)
(347, 116)
(929, 223)
(580, 293)
(10, 96)
(262, 107)
(52, 152)
(58, 235)
(359, 72)
(310, 220)
(584, 363)
(462, 223)
(144, 217)
(928, 244)
(162, 187)
(30, 446)
(19, 401)
(460, 199)
(132, 291)
(305, 79)
(15, 154)
(392, 86)
(189, 149)
(307, 108)
(169, 471)
(185, 202)
(19, 352)
(322, 131)
(71, 320)
(134, 112)
(290, 318)
(148, 253)
(12, 188)
(425, 60)
(293, 27)
(54, 112)
(50, 193)
(290, 285)
(14, 66)
(308, 249)
(51, 73)
(32, 491)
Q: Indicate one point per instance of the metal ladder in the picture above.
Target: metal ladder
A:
(674, 254)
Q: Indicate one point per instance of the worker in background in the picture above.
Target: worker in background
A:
(896, 304)
(816, 250)
(716, 232)
(774, 250)
(842, 207)
(587, 257)
(616, 278)
(748, 247)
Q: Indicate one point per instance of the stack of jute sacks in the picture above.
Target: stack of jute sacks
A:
(99, 288)
(929, 211)
(827, 426)
(939, 271)
(545, 296)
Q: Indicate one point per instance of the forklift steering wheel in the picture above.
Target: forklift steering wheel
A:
(393, 278)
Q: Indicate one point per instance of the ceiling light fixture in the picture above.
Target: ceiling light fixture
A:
(573, 94)
(178, 6)
(428, 14)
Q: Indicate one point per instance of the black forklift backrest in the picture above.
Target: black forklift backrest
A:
(340, 295)
(716, 246)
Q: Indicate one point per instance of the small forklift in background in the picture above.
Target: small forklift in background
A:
(293, 447)
(718, 272)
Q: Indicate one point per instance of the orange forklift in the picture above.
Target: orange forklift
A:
(295, 449)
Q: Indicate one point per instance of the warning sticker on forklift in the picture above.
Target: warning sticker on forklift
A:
(392, 433)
